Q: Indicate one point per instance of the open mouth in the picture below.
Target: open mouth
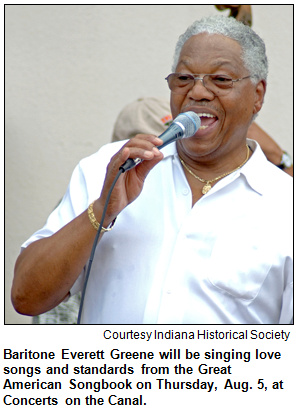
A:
(206, 120)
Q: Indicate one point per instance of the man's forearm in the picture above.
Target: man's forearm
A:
(47, 269)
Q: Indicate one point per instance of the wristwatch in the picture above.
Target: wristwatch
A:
(286, 161)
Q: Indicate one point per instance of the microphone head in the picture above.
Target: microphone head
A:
(190, 121)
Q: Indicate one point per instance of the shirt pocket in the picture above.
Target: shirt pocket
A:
(239, 263)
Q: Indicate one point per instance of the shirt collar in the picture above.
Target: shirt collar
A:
(255, 170)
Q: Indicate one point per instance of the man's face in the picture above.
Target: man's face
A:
(216, 54)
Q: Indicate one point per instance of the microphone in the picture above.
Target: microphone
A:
(183, 126)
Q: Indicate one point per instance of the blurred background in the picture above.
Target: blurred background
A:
(70, 70)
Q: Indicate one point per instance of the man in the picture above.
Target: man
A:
(194, 243)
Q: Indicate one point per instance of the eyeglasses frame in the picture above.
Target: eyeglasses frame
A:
(202, 80)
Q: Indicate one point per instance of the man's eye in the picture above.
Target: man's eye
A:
(184, 78)
(221, 79)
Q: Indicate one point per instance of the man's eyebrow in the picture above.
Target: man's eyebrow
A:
(185, 62)
(219, 63)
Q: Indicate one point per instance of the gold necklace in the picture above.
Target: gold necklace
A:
(207, 185)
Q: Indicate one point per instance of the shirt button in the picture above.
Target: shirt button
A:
(169, 291)
(185, 191)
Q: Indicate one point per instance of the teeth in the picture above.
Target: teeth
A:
(203, 127)
(205, 115)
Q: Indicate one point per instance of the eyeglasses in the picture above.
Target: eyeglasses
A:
(218, 84)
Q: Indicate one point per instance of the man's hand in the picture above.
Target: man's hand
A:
(270, 148)
(241, 12)
(130, 183)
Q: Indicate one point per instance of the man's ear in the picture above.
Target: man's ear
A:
(259, 96)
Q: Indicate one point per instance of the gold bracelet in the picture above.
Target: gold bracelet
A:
(95, 223)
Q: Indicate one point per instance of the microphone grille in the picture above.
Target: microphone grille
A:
(190, 121)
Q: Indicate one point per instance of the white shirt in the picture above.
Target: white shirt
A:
(226, 260)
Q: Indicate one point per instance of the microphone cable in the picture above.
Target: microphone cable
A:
(121, 170)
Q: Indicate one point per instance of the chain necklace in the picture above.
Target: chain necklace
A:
(207, 185)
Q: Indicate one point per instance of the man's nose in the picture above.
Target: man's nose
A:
(199, 91)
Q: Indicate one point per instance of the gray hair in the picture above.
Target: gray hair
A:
(254, 51)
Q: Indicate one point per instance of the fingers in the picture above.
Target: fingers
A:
(143, 146)
(145, 167)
